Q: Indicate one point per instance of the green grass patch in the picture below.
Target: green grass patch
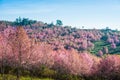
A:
(13, 77)
(98, 45)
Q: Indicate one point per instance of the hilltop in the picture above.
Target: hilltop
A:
(95, 41)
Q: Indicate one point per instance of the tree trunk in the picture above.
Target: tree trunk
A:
(18, 74)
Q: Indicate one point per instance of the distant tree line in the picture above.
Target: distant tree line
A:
(23, 21)
(26, 21)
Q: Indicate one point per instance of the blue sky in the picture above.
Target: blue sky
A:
(88, 13)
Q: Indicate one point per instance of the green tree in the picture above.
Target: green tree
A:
(18, 21)
(23, 21)
(59, 23)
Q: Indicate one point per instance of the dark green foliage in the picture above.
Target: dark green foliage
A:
(50, 25)
(104, 38)
(23, 21)
(59, 23)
